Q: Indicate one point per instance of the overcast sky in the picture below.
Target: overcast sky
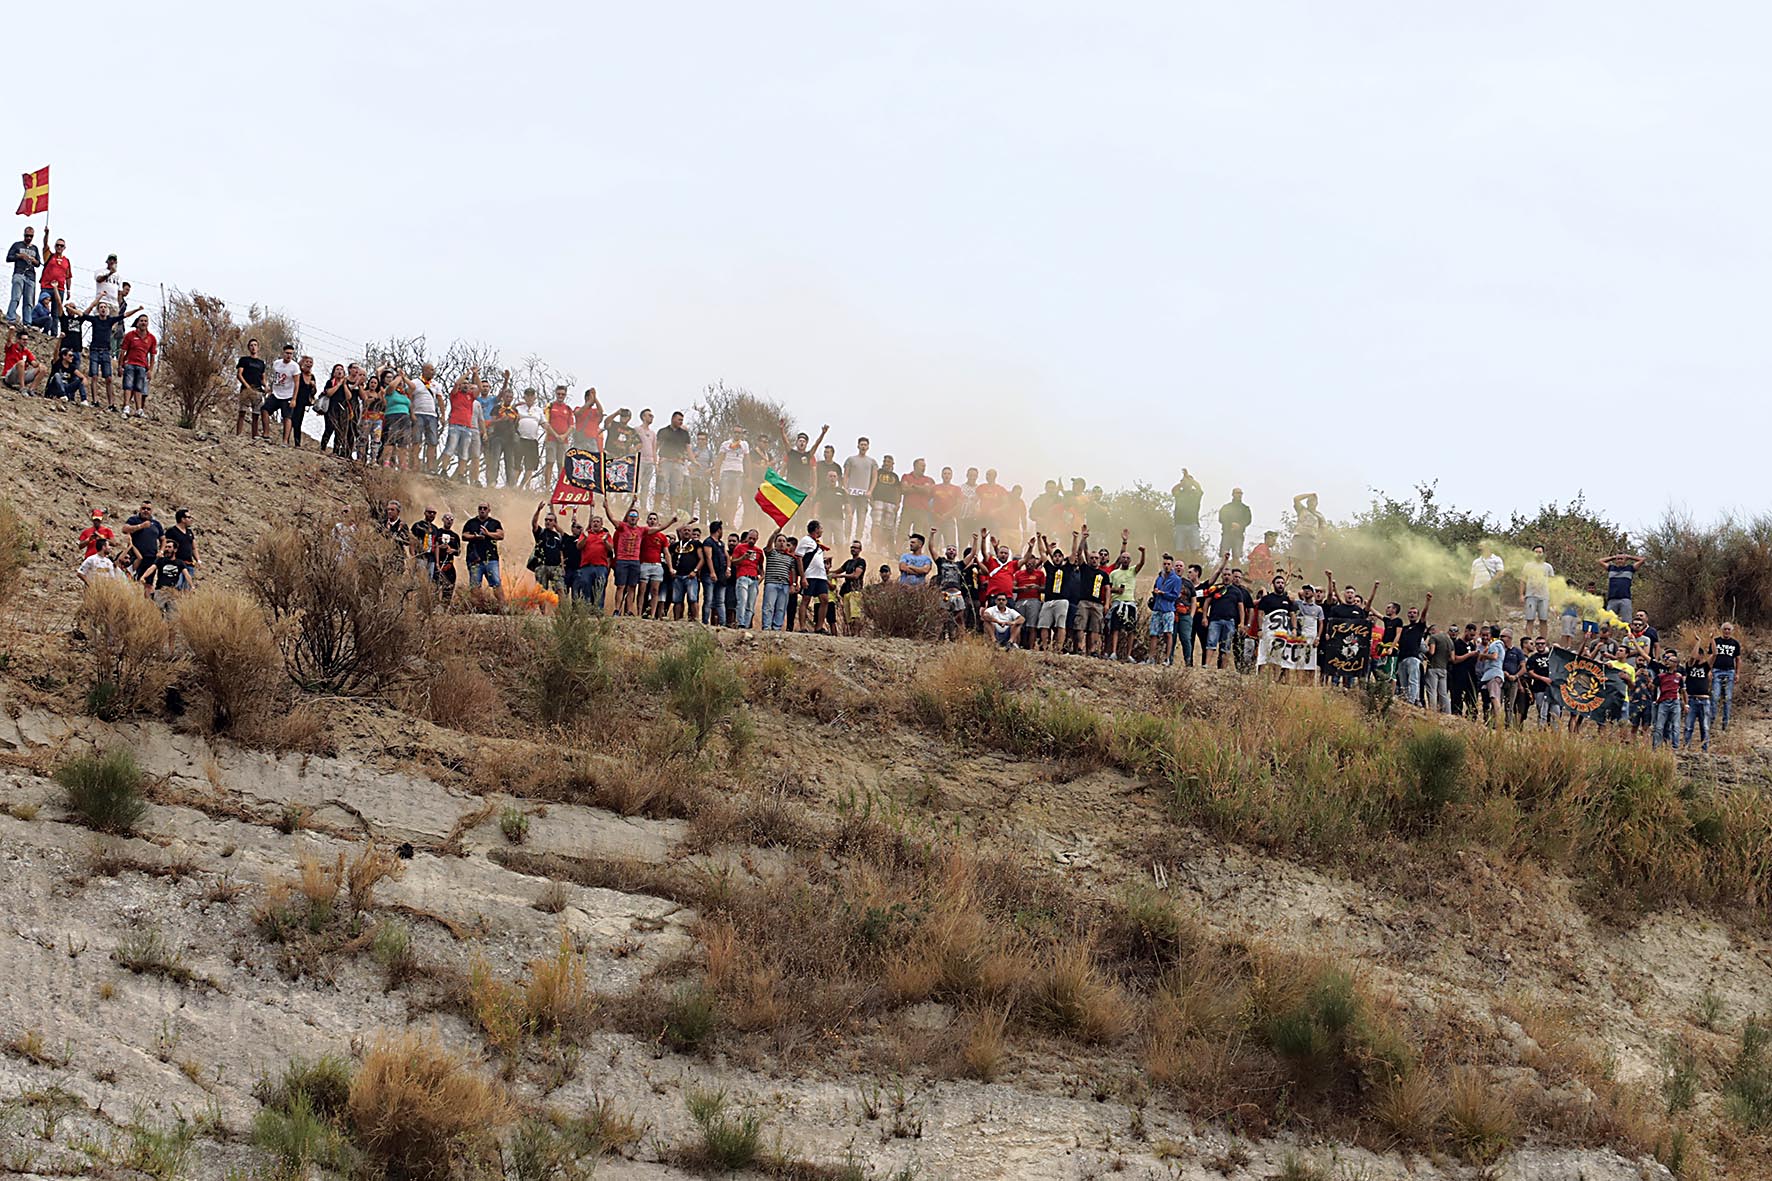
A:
(1520, 248)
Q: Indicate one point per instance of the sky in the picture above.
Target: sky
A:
(1519, 249)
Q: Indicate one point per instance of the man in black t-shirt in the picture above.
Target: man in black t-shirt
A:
(1462, 671)
(161, 575)
(1726, 651)
(184, 541)
(1695, 677)
(98, 351)
(673, 464)
(1409, 639)
(548, 562)
(1277, 598)
(445, 545)
(1228, 616)
(249, 371)
(144, 538)
(483, 532)
(851, 575)
(1538, 682)
(888, 495)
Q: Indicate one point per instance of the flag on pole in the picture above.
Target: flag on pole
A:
(36, 193)
(778, 498)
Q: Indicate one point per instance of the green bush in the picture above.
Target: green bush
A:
(301, 1121)
(1433, 760)
(702, 685)
(691, 1018)
(104, 790)
(571, 661)
(1747, 1088)
(730, 1142)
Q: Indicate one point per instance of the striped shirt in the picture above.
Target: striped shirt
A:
(777, 566)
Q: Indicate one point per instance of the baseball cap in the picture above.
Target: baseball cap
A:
(98, 514)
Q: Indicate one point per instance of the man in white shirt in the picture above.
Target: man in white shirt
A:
(859, 471)
(817, 585)
(285, 372)
(648, 457)
(98, 565)
(734, 454)
(427, 395)
(1005, 621)
(1535, 579)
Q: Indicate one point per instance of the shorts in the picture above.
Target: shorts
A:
(627, 573)
(249, 398)
(852, 605)
(1030, 613)
(396, 430)
(1123, 617)
(424, 431)
(1571, 624)
(650, 571)
(1219, 633)
(528, 453)
(816, 587)
(487, 571)
(284, 410)
(1162, 623)
(1055, 614)
(1001, 635)
(167, 601)
(685, 588)
(135, 379)
(1537, 609)
(98, 363)
(1590, 627)
(954, 601)
(549, 577)
(1087, 616)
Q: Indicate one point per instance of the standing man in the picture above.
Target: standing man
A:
(1165, 594)
(1535, 579)
(1726, 651)
(1621, 572)
(1409, 651)
(888, 492)
(859, 472)
(558, 438)
(285, 372)
(914, 565)
(140, 350)
(1233, 521)
(1696, 688)
(145, 534)
(1307, 529)
(734, 453)
(918, 501)
(427, 395)
(648, 470)
(1186, 495)
(1538, 682)
(58, 277)
(25, 259)
(587, 424)
(550, 552)
(673, 465)
(1436, 697)
(184, 545)
(1228, 616)
(482, 533)
(98, 355)
(817, 579)
(596, 555)
(1462, 672)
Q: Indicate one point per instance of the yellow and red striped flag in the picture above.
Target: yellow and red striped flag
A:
(36, 193)
(778, 498)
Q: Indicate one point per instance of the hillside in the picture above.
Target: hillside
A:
(916, 912)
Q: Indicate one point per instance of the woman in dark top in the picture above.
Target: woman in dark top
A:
(333, 405)
(307, 389)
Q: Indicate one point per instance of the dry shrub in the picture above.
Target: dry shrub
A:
(986, 1047)
(17, 542)
(233, 653)
(557, 996)
(498, 1009)
(299, 728)
(1410, 1107)
(349, 617)
(1481, 1117)
(462, 696)
(198, 344)
(903, 612)
(1072, 996)
(372, 865)
(126, 634)
(420, 1109)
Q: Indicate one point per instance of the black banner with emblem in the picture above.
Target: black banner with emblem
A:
(1586, 687)
(1345, 647)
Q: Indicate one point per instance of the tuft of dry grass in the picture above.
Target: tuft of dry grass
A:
(420, 1109)
(1481, 1118)
(126, 636)
(986, 1045)
(461, 695)
(372, 865)
(1073, 996)
(1410, 1108)
(233, 654)
(557, 995)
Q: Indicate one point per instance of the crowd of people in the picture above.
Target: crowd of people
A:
(90, 346)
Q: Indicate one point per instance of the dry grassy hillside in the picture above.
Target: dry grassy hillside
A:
(549, 899)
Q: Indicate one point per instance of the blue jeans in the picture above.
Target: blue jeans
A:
(1722, 695)
(484, 570)
(1220, 633)
(1548, 704)
(24, 297)
(1184, 634)
(1409, 679)
(747, 599)
(1698, 711)
(591, 583)
(713, 602)
(685, 589)
(1667, 725)
(775, 606)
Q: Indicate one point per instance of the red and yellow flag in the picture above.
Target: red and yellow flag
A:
(778, 498)
(36, 193)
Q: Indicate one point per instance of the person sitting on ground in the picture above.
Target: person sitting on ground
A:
(65, 382)
(19, 370)
(1004, 621)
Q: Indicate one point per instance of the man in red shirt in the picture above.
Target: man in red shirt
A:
(94, 533)
(558, 437)
(627, 559)
(140, 351)
(917, 484)
(747, 570)
(58, 276)
(19, 369)
(654, 540)
(596, 555)
(462, 440)
(587, 429)
(944, 503)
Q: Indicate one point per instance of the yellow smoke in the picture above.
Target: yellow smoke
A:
(1408, 566)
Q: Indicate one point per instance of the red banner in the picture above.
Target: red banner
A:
(36, 193)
